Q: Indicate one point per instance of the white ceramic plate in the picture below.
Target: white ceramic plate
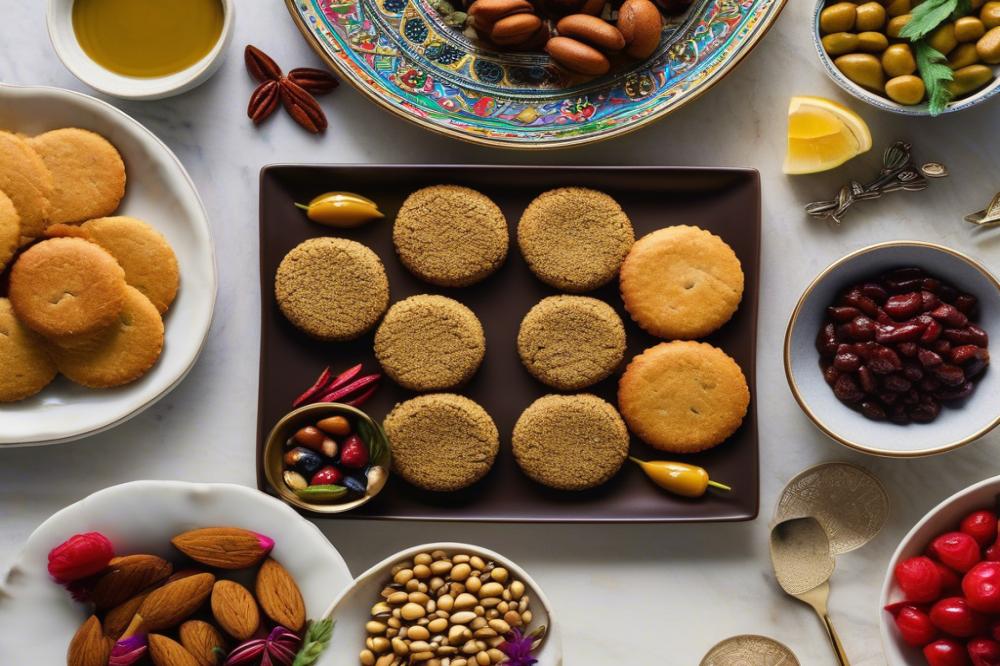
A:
(960, 422)
(158, 191)
(38, 617)
(945, 517)
(352, 609)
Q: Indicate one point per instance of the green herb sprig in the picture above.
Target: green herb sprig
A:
(928, 15)
(317, 639)
(934, 70)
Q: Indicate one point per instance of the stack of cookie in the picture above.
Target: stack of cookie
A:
(86, 292)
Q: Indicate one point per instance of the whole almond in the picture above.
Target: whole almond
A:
(593, 7)
(235, 609)
(168, 606)
(515, 29)
(164, 651)
(117, 619)
(279, 596)
(491, 11)
(89, 647)
(592, 30)
(577, 57)
(641, 23)
(126, 576)
(203, 641)
(224, 547)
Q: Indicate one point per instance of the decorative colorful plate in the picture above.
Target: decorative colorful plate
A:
(403, 55)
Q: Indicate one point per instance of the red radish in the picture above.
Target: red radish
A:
(946, 652)
(984, 652)
(954, 616)
(981, 526)
(327, 476)
(354, 453)
(958, 550)
(914, 625)
(981, 587)
(919, 579)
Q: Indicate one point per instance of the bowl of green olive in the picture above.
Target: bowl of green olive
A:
(911, 57)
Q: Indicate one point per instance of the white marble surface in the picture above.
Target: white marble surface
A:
(627, 594)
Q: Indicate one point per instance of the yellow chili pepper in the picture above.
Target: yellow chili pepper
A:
(341, 209)
(679, 478)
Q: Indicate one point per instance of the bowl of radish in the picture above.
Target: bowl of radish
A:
(941, 595)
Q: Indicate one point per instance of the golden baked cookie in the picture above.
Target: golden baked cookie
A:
(681, 282)
(574, 238)
(441, 441)
(571, 342)
(683, 397)
(25, 365)
(143, 252)
(10, 230)
(430, 343)
(450, 236)
(570, 442)
(24, 178)
(120, 355)
(88, 175)
(332, 288)
(67, 287)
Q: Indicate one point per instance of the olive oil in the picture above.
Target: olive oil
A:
(147, 38)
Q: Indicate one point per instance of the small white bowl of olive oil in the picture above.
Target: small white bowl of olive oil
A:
(141, 49)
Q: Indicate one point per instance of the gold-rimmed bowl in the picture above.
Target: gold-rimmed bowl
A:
(960, 422)
(274, 449)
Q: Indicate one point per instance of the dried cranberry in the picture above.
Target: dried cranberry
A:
(981, 586)
(956, 393)
(963, 354)
(858, 300)
(929, 384)
(950, 315)
(884, 319)
(942, 347)
(932, 331)
(950, 375)
(981, 526)
(826, 341)
(919, 579)
(911, 397)
(914, 625)
(883, 360)
(899, 415)
(830, 374)
(983, 651)
(896, 383)
(888, 397)
(80, 556)
(970, 335)
(945, 652)
(929, 359)
(860, 329)
(892, 335)
(903, 306)
(926, 411)
(873, 410)
(841, 314)
(966, 303)
(912, 371)
(847, 389)
(874, 291)
(954, 616)
(907, 349)
(956, 550)
(977, 364)
(846, 361)
(867, 379)
(904, 279)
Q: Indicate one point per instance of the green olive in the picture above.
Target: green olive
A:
(838, 17)
(898, 60)
(963, 56)
(990, 14)
(896, 24)
(906, 89)
(862, 68)
(840, 43)
(898, 7)
(872, 42)
(870, 16)
(969, 29)
(988, 47)
(943, 38)
(968, 79)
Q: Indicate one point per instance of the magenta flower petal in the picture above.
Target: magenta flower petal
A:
(517, 647)
(128, 651)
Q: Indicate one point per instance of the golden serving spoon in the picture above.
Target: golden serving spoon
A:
(803, 564)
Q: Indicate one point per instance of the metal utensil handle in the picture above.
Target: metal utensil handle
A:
(834, 639)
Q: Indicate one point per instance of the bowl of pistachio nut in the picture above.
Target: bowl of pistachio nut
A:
(912, 58)
(444, 603)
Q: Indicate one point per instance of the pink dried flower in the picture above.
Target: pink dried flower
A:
(517, 647)
(277, 649)
(128, 651)
(80, 556)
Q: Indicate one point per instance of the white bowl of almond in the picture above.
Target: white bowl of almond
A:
(173, 574)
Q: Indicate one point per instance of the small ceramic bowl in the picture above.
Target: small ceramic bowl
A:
(274, 449)
(881, 101)
(60, 24)
(352, 609)
(945, 517)
(959, 423)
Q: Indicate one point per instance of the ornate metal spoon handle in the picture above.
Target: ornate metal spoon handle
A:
(899, 172)
(989, 216)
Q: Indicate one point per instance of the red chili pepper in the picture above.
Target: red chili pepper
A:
(319, 385)
(353, 387)
(363, 398)
(343, 378)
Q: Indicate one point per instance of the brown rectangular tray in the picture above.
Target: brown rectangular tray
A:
(724, 201)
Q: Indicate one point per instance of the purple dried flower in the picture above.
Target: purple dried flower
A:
(517, 647)
(128, 651)
(277, 649)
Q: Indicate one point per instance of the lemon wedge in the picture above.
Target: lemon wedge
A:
(822, 135)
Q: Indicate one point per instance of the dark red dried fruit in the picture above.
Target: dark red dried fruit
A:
(846, 361)
(925, 412)
(907, 349)
(830, 374)
(867, 379)
(966, 303)
(847, 389)
(929, 359)
(932, 330)
(896, 383)
(955, 393)
(912, 371)
(950, 375)
(893, 335)
(861, 329)
(874, 291)
(883, 360)
(930, 300)
(950, 315)
(903, 306)
(970, 335)
(842, 314)
(873, 410)
(856, 299)
(826, 340)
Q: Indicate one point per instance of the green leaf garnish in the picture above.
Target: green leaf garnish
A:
(374, 439)
(934, 70)
(317, 639)
(928, 15)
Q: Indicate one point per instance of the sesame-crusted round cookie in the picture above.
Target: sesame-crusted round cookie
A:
(430, 343)
(681, 282)
(10, 230)
(441, 441)
(27, 367)
(67, 287)
(571, 342)
(450, 236)
(570, 442)
(683, 397)
(332, 288)
(574, 238)
(24, 178)
(120, 355)
(88, 174)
